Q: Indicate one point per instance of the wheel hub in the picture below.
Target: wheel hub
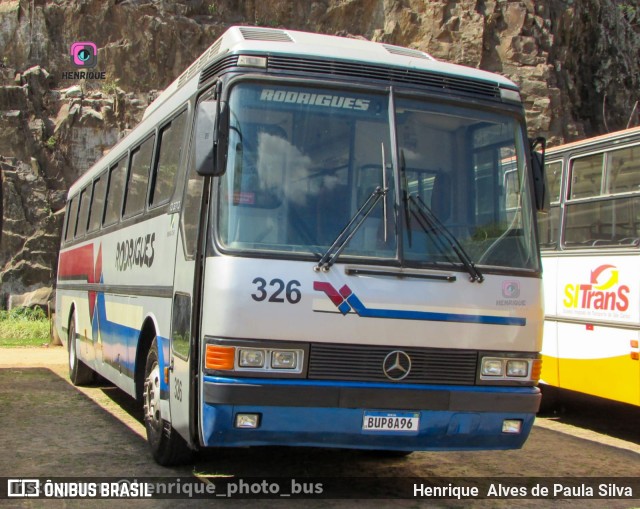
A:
(152, 396)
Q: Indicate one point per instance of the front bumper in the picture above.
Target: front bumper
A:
(330, 414)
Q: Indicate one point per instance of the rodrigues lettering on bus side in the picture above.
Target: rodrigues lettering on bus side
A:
(138, 252)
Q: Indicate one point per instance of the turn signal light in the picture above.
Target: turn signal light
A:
(536, 369)
(220, 357)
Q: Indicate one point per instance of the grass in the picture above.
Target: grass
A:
(24, 327)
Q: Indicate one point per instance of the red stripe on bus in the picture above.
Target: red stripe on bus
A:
(77, 262)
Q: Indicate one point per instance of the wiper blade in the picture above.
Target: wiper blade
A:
(427, 219)
(347, 233)
(405, 196)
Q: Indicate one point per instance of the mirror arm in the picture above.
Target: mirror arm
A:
(217, 94)
(540, 187)
(538, 141)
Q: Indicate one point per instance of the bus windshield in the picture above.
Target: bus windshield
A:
(304, 160)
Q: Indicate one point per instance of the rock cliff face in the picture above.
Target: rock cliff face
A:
(577, 63)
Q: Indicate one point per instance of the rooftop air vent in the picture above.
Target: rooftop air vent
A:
(406, 52)
(264, 34)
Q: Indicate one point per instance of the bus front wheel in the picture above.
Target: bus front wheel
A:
(167, 446)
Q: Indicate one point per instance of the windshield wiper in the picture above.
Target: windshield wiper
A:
(405, 196)
(428, 221)
(347, 233)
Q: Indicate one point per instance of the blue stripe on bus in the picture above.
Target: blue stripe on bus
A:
(371, 385)
(365, 312)
(123, 340)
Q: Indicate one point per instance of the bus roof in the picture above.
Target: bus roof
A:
(617, 136)
(271, 41)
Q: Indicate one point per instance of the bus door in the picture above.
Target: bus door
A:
(185, 318)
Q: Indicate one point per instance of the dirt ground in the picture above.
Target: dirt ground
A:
(50, 428)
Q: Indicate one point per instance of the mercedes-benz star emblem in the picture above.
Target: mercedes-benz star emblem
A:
(396, 365)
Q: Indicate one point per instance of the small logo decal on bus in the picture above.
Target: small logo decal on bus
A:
(511, 289)
(339, 298)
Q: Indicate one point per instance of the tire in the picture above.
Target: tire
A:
(79, 372)
(167, 446)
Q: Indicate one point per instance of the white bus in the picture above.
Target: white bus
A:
(308, 241)
(590, 251)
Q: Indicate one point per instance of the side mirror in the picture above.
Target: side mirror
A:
(205, 138)
(211, 138)
(540, 187)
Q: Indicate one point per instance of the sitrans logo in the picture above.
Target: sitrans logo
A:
(603, 292)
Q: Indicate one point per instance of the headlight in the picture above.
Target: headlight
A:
(250, 358)
(284, 359)
(499, 367)
(492, 367)
(518, 368)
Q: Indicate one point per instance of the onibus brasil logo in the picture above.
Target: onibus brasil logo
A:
(603, 292)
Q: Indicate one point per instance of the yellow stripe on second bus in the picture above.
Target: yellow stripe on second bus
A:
(616, 378)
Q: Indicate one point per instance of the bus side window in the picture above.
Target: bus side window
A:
(114, 192)
(180, 330)
(164, 174)
(554, 179)
(549, 228)
(83, 213)
(138, 177)
(97, 202)
(624, 170)
(71, 219)
(549, 224)
(586, 176)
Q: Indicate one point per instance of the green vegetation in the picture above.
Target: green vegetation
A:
(110, 86)
(24, 327)
(51, 142)
(630, 12)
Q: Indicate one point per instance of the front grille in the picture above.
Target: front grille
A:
(365, 71)
(364, 363)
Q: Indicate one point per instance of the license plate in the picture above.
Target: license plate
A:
(400, 422)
